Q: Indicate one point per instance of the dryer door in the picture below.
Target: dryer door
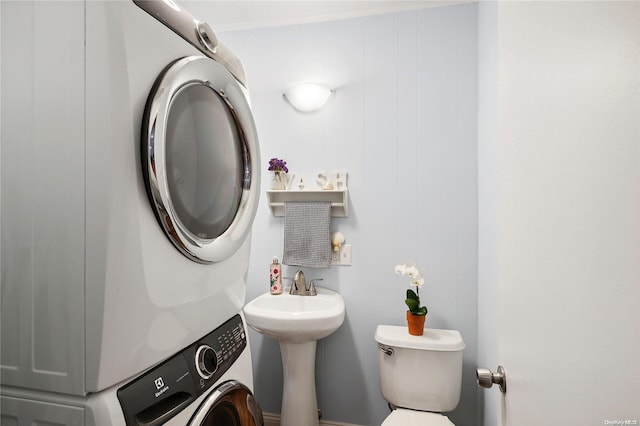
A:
(230, 404)
(200, 158)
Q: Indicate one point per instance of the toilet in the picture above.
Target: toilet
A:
(420, 376)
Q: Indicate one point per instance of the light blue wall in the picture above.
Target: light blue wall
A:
(403, 124)
(488, 169)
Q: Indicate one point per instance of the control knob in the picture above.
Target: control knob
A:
(206, 361)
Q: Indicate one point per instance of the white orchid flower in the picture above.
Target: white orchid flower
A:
(410, 269)
(415, 274)
(413, 271)
(401, 269)
(417, 282)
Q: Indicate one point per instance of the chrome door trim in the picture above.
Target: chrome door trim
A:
(186, 71)
(220, 392)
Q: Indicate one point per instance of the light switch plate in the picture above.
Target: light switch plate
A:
(342, 257)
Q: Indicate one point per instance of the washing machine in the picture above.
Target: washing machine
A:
(207, 383)
(136, 191)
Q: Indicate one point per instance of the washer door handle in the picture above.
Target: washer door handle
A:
(164, 410)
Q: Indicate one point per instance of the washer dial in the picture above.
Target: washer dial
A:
(206, 361)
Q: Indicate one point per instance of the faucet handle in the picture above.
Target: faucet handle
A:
(312, 287)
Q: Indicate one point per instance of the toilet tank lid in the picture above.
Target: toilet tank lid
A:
(433, 339)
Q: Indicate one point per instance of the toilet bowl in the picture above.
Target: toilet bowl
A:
(420, 375)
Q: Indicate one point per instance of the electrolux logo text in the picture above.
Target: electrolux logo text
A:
(159, 382)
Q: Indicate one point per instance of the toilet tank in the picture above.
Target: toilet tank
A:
(423, 372)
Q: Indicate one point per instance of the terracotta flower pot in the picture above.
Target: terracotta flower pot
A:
(415, 323)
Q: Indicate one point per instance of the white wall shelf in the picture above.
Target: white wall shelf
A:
(338, 198)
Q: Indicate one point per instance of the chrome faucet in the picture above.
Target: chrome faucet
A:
(299, 285)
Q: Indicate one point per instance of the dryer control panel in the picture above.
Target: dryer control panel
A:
(162, 392)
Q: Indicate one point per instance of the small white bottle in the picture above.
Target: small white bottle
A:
(275, 277)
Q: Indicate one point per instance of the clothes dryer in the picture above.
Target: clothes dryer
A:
(173, 264)
(138, 222)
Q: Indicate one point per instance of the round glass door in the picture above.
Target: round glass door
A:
(231, 404)
(205, 163)
(200, 159)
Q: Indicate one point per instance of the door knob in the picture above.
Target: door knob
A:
(486, 378)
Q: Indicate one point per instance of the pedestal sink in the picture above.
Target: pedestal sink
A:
(297, 322)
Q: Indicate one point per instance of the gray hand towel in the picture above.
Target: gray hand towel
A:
(306, 234)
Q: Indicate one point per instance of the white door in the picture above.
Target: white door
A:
(559, 220)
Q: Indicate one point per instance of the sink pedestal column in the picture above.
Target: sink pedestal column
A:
(299, 404)
(297, 322)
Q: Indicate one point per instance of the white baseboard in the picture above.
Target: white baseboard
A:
(274, 420)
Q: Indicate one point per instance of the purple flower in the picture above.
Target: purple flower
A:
(276, 164)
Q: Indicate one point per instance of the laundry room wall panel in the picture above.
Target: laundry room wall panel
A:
(467, 199)
(344, 128)
(437, 161)
(344, 135)
(303, 56)
(379, 213)
(437, 105)
(402, 123)
(263, 91)
(302, 60)
(42, 231)
(407, 159)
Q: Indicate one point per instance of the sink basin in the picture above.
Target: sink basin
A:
(296, 318)
(297, 322)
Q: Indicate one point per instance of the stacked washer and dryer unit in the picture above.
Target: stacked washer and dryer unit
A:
(126, 305)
